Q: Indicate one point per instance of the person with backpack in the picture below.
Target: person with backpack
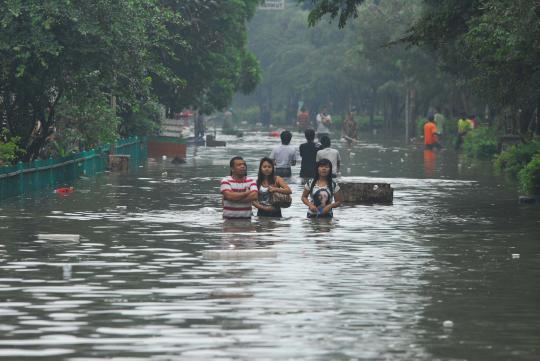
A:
(322, 194)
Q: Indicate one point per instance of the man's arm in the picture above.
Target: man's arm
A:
(237, 196)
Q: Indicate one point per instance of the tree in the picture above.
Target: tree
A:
(53, 49)
(69, 57)
(211, 63)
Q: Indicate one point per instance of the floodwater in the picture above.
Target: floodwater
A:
(450, 271)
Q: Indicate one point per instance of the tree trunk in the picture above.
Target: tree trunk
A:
(412, 116)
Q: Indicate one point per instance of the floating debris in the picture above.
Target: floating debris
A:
(59, 237)
(238, 254)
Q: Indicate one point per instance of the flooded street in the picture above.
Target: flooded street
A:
(375, 283)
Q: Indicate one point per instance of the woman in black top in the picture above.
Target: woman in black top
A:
(308, 152)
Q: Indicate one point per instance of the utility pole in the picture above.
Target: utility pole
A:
(407, 115)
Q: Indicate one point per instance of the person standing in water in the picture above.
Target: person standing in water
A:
(268, 183)
(308, 153)
(238, 191)
(350, 129)
(431, 140)
(323, 122)
(284, 155)
(326, 152)
(321, 194)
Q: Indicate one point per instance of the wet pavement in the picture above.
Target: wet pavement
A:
(376, 283)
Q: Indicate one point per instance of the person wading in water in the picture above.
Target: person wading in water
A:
(321, 194)
(268, 183)
(238, 191)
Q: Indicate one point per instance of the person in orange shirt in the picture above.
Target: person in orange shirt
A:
(431, 140)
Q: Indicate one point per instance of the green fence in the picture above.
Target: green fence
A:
(40, 174)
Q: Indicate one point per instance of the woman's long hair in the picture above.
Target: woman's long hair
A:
(323, 161)
(260, 177)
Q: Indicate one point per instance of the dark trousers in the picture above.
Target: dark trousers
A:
(283, 172)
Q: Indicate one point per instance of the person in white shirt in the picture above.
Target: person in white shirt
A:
(325, 152)
(284, 155)
(323, 122)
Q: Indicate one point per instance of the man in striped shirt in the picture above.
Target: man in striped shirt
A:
(238, 191)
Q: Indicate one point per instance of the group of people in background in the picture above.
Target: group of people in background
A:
(434, 129)
(320, 164)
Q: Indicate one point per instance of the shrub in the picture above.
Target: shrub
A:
(250, 115)
(9, 148)
(529, 177)
(364, 125)
(481, 143)
(516, 157)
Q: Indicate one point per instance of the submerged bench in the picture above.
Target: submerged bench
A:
(212, 142)
(119, 162)
(367, 193)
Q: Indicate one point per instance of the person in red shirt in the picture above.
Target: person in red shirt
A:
(431, 140)
(302, 119)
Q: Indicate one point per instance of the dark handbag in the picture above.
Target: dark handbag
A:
(280, 200)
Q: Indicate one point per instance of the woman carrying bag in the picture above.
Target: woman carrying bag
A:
(274, 193)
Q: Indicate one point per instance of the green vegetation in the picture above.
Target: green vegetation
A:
(481, 143)
(489, 49)
(9, 148)
(92, 70)
(529, 176)
(352, 68)
(515, 158)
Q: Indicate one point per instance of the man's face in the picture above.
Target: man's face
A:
(239, 168)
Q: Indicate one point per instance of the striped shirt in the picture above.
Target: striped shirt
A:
(232, 209)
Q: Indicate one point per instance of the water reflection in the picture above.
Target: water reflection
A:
(430, 162)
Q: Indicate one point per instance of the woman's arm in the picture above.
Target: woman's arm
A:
(282, 186)
(338, 200)
(306, 201)
(257, 205)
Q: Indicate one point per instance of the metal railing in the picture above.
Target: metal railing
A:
(40, 174)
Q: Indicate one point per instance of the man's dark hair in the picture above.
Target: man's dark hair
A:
(286, 137)
(431, 118)
(234, 159)
(325, 142)
(310, 135)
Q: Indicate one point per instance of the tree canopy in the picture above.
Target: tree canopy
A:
(490, 46)
(60, 59)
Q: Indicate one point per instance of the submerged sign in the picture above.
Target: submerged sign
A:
(273, 5)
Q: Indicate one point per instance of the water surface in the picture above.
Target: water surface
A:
(375, 283)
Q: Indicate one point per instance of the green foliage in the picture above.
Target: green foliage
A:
(515, 158)
(142, 119)
(9, 148)
(210, 63)
(529, 177)
(352, 67)
(88, 122)
(344, 10)
(249, 115)
(481, 143)
(66, 54)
